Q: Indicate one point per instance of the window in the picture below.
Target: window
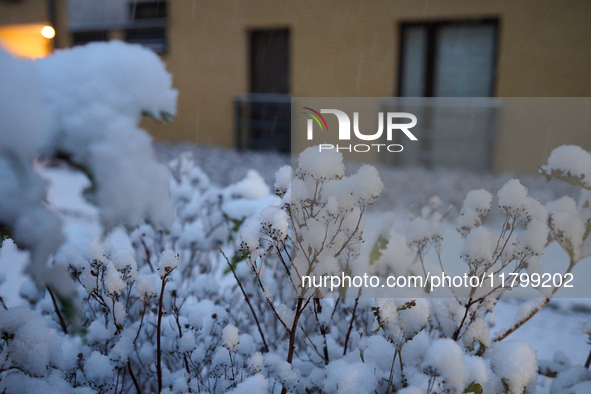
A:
(148, 10)
(447, 75)
(448, 59)
(84, 37)
(269, 61)
(152, 38)
(263, 117)
(148, 25)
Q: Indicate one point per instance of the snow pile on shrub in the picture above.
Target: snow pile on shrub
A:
(226, 322)
(570, 163)
(83, 105)
(208, 306)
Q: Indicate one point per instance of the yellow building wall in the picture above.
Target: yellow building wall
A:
(350, 48)
(19, 20)
(25, 40)
(529, 129)
(23, 12)
(62, 33)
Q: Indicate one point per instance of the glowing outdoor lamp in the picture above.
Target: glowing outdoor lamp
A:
(48, 32)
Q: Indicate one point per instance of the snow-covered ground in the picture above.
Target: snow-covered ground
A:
(558, 327)
(407, 188)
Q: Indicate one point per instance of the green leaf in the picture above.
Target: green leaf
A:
(376, 251)
(567, 177)
(238, 257)
(474, 388)
(4, 235)
(237, 223)
(587, 230)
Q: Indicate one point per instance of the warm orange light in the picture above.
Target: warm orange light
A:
(30, 41)
(48, 32)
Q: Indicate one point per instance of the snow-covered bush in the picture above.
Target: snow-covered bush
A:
(211, 299)
(82, 105)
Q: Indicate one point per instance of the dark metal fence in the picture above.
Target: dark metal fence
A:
(452, 132)
(262, 121)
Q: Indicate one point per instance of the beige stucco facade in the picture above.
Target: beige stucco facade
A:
(350, 48)
(29, 12)
(26, 11)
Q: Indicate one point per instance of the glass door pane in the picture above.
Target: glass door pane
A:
(465, 60)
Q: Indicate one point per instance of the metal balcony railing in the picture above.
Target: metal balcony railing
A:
(452, 131)
(262, 121)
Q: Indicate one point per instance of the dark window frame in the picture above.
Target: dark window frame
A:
(263, 116)
(161, 9)
(252, 58)
(150, 37)
(148, 31)
(84, 37)
(432, 27)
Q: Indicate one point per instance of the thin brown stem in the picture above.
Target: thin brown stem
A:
(346, 243)
(515, 326)
(254, 315)
(271, 303)
(350, 326)
(159, 330)
(285, 266)
(57, 311)
(323, 331)
(459, 329)
(292, 333)
(117, 381)
(133, 379)
(139, 330)
(391, 372)
(312, 344)
(148, 255)
(299, 308)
